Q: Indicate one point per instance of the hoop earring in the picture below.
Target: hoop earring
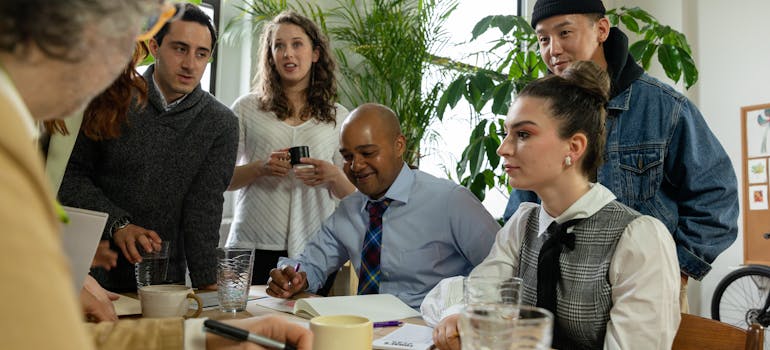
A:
(567, 161)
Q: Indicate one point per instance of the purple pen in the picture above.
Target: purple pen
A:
(296, 268)
(387, 324)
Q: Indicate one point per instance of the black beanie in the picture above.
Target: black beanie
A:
(549, 8)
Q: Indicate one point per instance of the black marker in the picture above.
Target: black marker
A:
(234, 333)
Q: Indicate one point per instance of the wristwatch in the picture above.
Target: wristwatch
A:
(118, 224)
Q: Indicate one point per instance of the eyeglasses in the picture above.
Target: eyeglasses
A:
(167, 12)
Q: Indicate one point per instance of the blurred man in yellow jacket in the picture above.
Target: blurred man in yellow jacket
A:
(55, 56)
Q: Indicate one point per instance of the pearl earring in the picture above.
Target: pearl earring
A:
(567, 161)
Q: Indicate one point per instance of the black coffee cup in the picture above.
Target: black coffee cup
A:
(298, 152)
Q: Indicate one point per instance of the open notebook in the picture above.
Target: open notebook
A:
(375, 307)
(80, 237)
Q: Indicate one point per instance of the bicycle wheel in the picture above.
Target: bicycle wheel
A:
(741, 298)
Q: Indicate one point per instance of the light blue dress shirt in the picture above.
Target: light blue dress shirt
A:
(432, 229)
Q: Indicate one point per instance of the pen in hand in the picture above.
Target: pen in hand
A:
(238, 334)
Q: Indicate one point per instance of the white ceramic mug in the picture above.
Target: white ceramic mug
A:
(341, 332)
(168, 300)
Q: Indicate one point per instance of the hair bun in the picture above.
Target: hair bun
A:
(591, 78)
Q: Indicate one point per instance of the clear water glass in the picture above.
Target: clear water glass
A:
(505, 327)
(234, 266)
(492, 290)
(153, 268)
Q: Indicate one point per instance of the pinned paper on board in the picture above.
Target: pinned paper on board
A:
(757, 170)
(758, 197)
(758, 132)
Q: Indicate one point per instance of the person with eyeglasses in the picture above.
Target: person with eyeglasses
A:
(164, 177)
(55, 56)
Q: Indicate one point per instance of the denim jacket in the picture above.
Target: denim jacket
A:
(662, 159)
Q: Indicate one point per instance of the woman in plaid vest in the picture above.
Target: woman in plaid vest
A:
(608, 274)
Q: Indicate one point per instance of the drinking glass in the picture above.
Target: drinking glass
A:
(491, 290)
(234, 266)
(154, 266)
(505, 327)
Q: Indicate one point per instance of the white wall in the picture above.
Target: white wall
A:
(732, 49)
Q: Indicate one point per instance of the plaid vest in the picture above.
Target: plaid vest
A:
(584, 292)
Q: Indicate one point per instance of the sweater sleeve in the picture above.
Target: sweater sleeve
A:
(78, 187)
(203, 203)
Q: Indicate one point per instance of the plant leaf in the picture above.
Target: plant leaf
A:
(647, 55)
(502, 98)
(481, 27)
(689, 70)
(668, 56)
(638, 48)
(630, 23)
(451, 95)
(491, 146)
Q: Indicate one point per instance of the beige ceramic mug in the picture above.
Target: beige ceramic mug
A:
(341, 332)
(168, 300)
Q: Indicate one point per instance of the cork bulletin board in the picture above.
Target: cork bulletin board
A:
(755, 130)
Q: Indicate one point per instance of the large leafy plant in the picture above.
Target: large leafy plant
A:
(514, 60)
(383, 48)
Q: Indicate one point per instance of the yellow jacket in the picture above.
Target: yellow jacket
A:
(38, 307)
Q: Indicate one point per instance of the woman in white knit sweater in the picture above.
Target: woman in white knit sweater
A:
(278, 208)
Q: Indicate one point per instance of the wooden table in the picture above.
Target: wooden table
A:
(254, 309)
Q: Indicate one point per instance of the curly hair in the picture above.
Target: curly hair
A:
(322, 91)
(105, 114)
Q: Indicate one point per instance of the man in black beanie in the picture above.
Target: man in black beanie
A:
(661, 158)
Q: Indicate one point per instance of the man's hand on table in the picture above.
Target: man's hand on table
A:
(285, 282)
(446, 335)
(273, 327)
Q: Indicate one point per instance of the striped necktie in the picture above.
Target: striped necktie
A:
(369, 274)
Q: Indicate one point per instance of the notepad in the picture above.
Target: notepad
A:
(375, 307)
(407, 337)
(80, 237)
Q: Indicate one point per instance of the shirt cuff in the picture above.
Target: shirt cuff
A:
(194, 336)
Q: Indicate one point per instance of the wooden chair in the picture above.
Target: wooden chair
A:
(698, 333)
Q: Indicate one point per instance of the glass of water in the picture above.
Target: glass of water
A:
(234, 266)
(505, 327)
(492, 290)
(154, 266)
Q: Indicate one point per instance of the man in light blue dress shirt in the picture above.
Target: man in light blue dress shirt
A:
(432, 229)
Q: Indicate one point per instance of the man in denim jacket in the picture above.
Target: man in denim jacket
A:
(661, 157)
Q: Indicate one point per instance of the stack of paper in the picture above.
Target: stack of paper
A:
(408, 337)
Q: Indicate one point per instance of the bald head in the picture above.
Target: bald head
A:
(373, 147)
(375, 117)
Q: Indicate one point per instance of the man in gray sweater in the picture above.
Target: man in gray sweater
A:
(162, 179)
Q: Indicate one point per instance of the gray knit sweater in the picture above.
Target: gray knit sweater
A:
(166, 172)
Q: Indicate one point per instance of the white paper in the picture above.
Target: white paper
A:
(407, 337)
(757, 170)
(278, 304)
(375, 307)
(758, 197)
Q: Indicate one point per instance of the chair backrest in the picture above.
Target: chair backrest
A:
(698, 333)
